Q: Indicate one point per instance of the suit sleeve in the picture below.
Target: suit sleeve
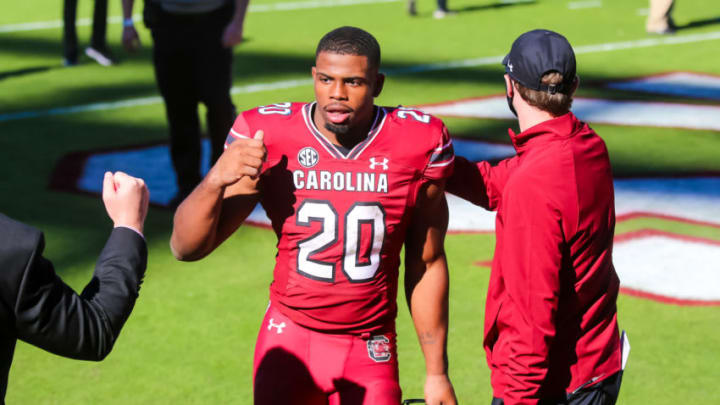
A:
(50, 315)
(480, 183)
(531, 259)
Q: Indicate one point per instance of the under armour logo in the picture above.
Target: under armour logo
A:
(279, 326)
(510, 66)
(374, 163)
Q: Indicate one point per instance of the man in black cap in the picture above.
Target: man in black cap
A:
(551, 333)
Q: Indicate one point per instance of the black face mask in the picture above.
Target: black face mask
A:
(510, 104)
(510, 100)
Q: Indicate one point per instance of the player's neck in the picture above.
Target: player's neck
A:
(351, 138)
(347, 140)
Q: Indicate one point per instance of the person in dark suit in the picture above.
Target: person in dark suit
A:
(37, 307)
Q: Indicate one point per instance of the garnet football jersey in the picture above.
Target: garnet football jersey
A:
(341, 219)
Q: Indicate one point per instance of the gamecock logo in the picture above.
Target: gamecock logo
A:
(379, 348)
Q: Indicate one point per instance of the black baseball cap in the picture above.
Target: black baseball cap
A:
(538, 52)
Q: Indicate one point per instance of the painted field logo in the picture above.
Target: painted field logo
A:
(379, 348)
(308, 157)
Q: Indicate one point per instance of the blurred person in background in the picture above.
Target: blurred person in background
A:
(192, 54)
(98, 49)
(441, 11)
(551, 333)
(659, 19)
(40, 309)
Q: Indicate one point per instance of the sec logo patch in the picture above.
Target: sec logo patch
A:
(379, 348)
(308, 157)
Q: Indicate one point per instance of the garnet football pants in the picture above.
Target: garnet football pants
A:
(295, 365)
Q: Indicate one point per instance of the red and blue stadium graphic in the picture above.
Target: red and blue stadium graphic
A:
(667, 267)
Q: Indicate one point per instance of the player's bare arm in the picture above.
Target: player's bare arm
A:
(221, 202)
(426, 288)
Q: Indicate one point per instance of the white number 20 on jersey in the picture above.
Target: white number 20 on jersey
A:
(370, 213)
(278, 108)
(403, 113)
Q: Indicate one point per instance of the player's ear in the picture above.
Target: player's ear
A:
(379, 83)
(314, 72)
(575, 85)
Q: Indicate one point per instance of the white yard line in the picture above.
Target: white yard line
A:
(597, 111)
(516, 1)
(286, 84)
(254, 8)
(649, 42)
(304, 5)
(43, 25)
(578, 5)
(135, 102)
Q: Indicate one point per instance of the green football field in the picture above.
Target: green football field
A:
(190, 338)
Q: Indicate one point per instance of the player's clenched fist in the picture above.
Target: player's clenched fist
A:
(126, 200)
(244, 157)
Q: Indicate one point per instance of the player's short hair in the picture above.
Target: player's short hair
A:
(556, 104)
(351, 41)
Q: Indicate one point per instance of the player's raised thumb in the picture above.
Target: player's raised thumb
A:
(259, 135)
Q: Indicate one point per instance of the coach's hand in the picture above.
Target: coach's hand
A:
(244, 157)
(439, 390)
(126, 200)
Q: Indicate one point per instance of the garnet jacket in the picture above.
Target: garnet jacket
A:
(550, 316)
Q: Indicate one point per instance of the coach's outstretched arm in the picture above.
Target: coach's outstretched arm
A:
(426, 288)
(480, 183)
(48, 313)
(221, 202)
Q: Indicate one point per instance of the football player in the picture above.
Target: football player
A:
(345, 183)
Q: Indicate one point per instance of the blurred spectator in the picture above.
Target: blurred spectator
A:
(192, 54)
(440, 12)
(98, 49)
(40, 309)
(659, 19)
